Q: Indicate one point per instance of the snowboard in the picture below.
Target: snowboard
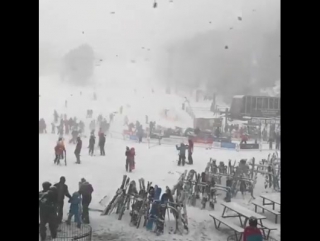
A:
(162, 208)
(154, 207)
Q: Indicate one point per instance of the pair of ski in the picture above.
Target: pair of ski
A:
(115, 200)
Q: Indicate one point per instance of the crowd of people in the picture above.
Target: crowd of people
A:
(51, 203)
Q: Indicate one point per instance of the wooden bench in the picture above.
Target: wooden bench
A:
(276, 213)
(264, 228)
(237, 230)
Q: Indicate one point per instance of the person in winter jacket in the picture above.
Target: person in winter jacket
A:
(131, 156)
(48, 214)
(252, 233)
(59, 150)
(127, 158)
(86, 191)
(92, 141)
(75, 209)
(244, 138)
(190, 151)
(102, 141)
(182, 153)
(77, 151)
(62, 191)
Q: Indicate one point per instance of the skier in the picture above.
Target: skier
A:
(48, 214)
(45, 188)
(190, 151)
(75, 211)
(74, 134)
(77, 151)
(86, 191)
(182, 153)
(62, 191)
(131, 160)
(53, 128)
(127, 157)
(92, 141)
(252, 233)
(102, 141)
(270, 142)
(55, 116)
(140, 133)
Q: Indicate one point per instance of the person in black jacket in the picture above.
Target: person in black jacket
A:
(86, 191)
(48, 214)
(182, 153)
(127, 158)
(92, 141)
(77, 151)
(102, 141)
(62, 190)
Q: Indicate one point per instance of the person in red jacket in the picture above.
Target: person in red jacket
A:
(131, 156)
(59, 149)
(252, 233)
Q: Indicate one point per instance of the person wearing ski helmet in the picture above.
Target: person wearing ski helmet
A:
(252, 233)
(62, 191)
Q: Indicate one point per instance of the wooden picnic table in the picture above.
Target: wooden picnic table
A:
(242, 212)
(273, 198)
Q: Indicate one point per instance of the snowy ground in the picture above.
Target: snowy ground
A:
(157, 164)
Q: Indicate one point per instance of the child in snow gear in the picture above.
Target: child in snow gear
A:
(77, 151)
(92, 141)
(75, 209)
(252, 233)
(86, 191)
(182, 153)
(62, 190)
(48, 214)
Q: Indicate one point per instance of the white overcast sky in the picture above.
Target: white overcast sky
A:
(137, 24)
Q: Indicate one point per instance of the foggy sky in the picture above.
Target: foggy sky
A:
(119, 37)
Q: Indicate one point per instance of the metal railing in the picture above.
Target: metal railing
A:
(72, 233)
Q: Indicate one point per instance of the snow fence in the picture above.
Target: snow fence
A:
(71, 232)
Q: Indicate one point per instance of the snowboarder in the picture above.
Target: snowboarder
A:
(92, 141)
(252, 233)
(62, 191)
(48, 214)
(86, 191)
(102, 141)
(77, 151)
(75, 210)
(182, 153)
(190, 151)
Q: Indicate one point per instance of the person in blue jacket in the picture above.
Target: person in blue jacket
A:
(75, 209)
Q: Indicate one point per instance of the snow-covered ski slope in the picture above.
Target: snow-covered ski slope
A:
(157, 164)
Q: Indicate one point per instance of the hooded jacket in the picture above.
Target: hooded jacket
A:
(252, 234)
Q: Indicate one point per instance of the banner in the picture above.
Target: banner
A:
(228, 145)
(249, 146)
(216, 145)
